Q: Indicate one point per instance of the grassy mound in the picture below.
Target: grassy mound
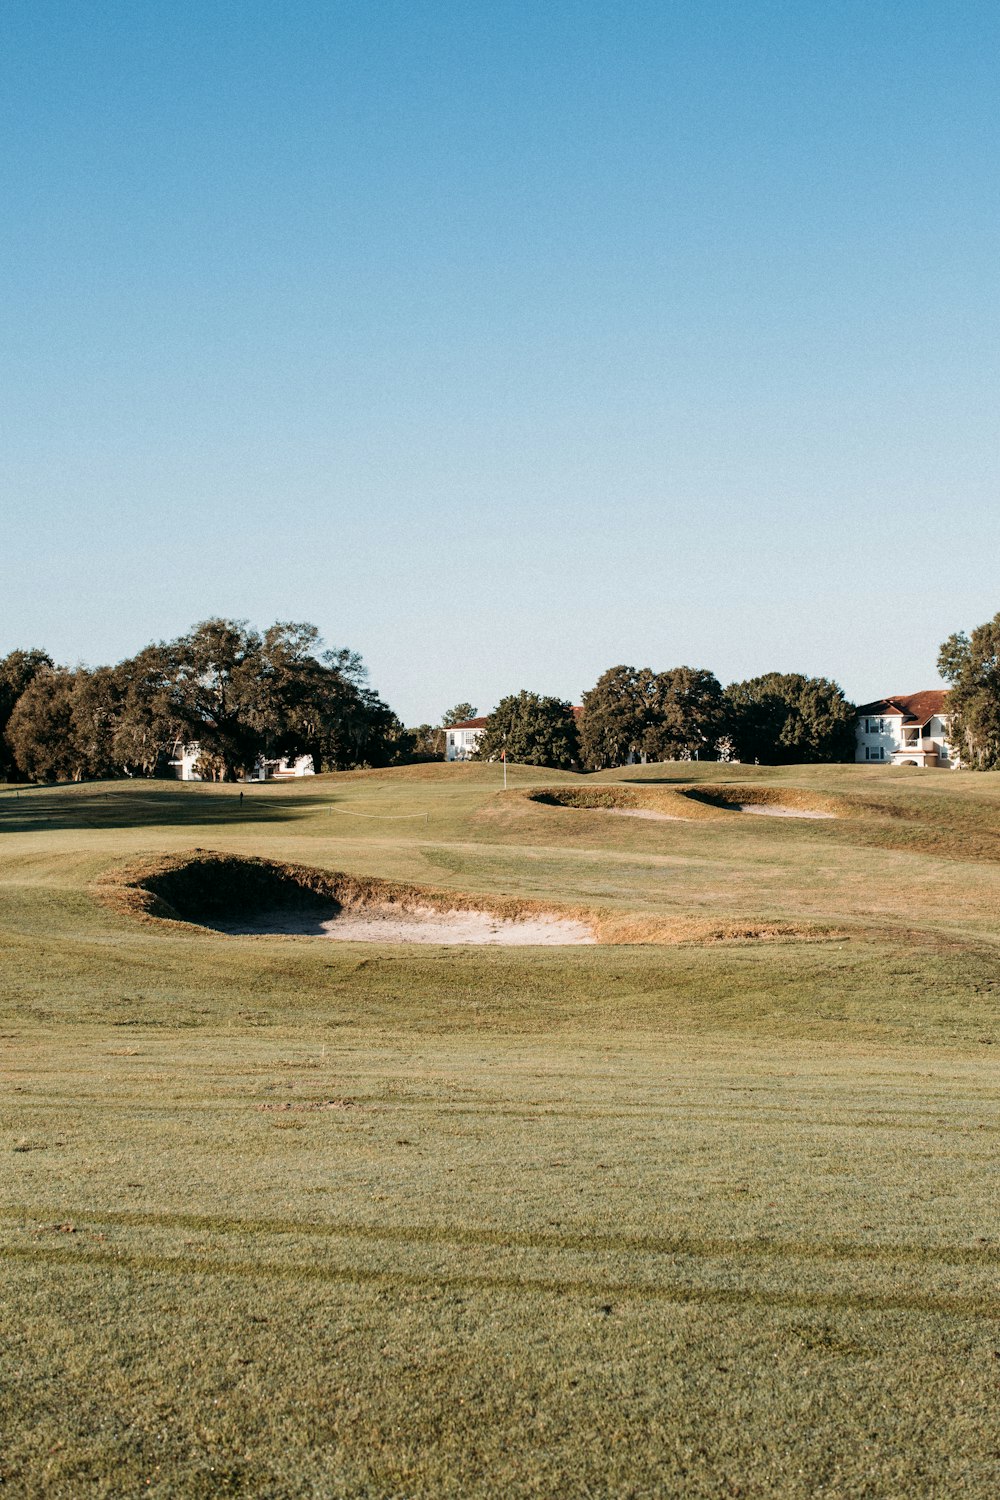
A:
(615, 798)
(726, 798)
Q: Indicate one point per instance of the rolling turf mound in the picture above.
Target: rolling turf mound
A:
(788, 801)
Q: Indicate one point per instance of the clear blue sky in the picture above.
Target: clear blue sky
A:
(503, 341)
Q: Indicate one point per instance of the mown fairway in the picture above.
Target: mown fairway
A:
(288, 1217)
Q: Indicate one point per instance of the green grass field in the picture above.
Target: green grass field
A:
(707, 1217)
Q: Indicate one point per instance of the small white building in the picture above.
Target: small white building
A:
(283, 770)
(462, 740)
(908, 730)
(183, 761)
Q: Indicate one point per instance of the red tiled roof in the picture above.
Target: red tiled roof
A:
(481, 723)
(915, 707)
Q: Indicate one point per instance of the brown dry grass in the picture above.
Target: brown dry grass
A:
(725, 797)
(667, 800)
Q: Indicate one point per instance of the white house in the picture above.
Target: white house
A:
(461, 740)
(284, 769)
(907, 730)
(183, 762)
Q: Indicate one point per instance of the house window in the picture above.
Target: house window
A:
(876, 754)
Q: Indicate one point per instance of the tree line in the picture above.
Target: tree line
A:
(636, 714)
(241, 694)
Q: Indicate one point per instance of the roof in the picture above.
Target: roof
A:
(577, 710)
(917, 708)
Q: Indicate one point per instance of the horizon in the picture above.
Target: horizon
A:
(505, 346)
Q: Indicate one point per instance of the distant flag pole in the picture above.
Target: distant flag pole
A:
(503, 757)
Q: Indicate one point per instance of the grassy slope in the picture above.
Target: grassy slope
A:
(300, 1218)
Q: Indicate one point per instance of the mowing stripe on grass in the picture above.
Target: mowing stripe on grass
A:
(921, 1302)
(418, 1234)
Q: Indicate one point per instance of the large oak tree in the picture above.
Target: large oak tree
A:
(971, 664)
(239, 693)
(783, 717)
(533, 730)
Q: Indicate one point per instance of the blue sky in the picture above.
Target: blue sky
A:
(507, 342)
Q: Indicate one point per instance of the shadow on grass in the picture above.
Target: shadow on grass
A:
(142, 805)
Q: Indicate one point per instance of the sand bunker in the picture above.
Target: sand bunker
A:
(255, 897)
(245, 897)
(681, 804)
(420, 924)
(777, 810)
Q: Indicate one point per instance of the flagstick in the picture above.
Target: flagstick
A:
(503, 757)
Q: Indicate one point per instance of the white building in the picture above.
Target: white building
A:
(908, 730)
(183, 762)
(284, 769)
(462, 740)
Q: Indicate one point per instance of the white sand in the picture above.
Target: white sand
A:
(423, 925)
(645, 812)
(776, 810)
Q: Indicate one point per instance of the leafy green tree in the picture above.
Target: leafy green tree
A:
(240, 694)
(221, 695)
(971, 665)
(616, 717)
(635, 714)
(17, 671)
(533, 730)
(458, 714)
(58, 730)
(97, 697)
(428, 741)
(686, 715)
(783, 718)
(150, 718)
(40, 730)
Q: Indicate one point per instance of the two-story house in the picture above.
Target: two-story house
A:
(461, 740)
(907, 730)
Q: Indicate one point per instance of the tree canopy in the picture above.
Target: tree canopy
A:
(458, 714)
(639, 714)
(17, 671)
(534, 730)
(239, 693)
(784, 717)
(971, 665)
